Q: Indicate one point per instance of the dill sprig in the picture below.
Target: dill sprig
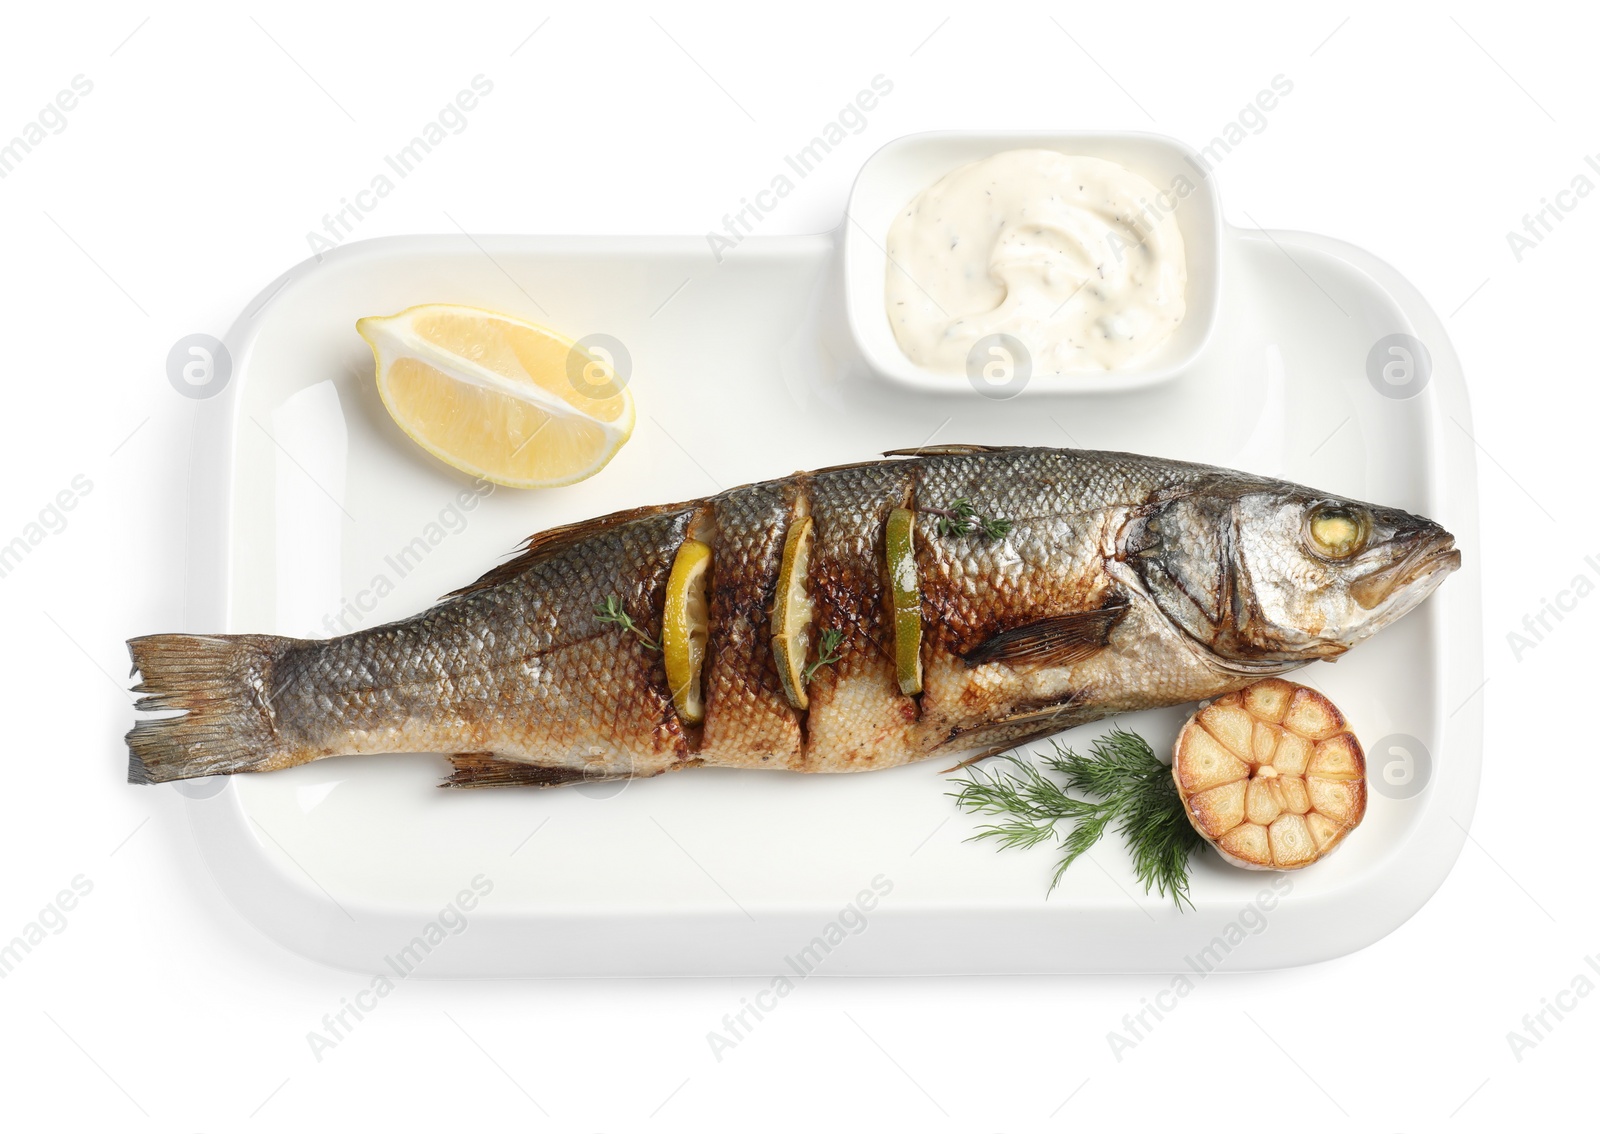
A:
(1132, 791)
(961, 519)
(827, 652)
(611, 611)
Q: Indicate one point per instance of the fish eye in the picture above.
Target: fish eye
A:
(1337, 531)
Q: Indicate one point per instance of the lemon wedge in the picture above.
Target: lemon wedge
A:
(499, 397)
(685, 626)
(900, 553)
(792, 613)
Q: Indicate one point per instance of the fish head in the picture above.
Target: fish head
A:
(1268, 575)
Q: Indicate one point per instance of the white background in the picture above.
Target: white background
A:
(213, 140)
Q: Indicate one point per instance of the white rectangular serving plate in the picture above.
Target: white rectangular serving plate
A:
(312, 513)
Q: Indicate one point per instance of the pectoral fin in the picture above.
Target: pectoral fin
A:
(1060, 639)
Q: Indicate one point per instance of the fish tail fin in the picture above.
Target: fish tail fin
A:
(224, 684)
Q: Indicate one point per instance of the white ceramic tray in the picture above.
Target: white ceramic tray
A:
(305, 497)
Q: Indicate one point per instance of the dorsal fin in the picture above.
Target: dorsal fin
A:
(548, 542)
(951, 450)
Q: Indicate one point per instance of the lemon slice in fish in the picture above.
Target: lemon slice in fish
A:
(499, 397)
(792, 613)
(685, 625)
(900, 553)
(1271, 776)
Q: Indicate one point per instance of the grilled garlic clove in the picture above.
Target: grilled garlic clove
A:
(1270, 775)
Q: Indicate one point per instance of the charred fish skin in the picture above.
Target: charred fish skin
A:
(1056, 566)
(567, 686)
(1122, 582)
(748, 720)
(517, 664)
(858, 715)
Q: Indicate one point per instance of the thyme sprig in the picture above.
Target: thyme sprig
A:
(827, 652)
(1131, 789)
(962, 519)
(611, 611)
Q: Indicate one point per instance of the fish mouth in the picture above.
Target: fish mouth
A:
(1431, 557)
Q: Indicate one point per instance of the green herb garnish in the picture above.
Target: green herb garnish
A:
(1132, 791)
(827, 652)
(961, 519)
(611, 611)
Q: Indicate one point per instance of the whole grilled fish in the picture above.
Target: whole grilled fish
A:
(1123, 582)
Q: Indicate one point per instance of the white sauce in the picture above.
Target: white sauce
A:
(1078, 258)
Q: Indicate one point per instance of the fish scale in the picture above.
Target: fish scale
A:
(856, 703)
(748, 720)
(1120, 582)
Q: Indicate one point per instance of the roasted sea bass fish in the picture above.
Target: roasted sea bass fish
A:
(1055, 587)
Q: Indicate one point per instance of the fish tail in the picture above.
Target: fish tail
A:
(224, 684)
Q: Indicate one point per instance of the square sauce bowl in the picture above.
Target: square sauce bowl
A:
(901, 170)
